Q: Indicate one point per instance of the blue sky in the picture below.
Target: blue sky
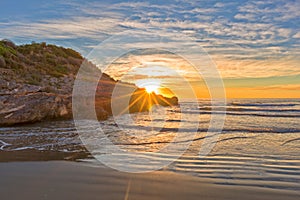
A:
(253, 24)
(255, 39)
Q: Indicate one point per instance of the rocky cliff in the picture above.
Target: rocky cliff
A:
(36, 82)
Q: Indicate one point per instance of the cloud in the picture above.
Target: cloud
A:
(249, 17)
(258, 38)
(257, 68)
(290, 10)
(270, 11)
(292, 87)
(297, 35)
(64, 28)
(225, 4)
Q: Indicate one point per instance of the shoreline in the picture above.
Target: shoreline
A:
(70, 180)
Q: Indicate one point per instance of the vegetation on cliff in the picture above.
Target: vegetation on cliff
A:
(39, 64)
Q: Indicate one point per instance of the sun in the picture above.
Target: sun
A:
(150, 85)
(151, 88)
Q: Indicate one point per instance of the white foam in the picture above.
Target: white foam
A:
(4, 144)
(22, 148)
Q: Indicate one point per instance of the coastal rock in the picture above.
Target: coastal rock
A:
(34, 107)
(143, 101)
(36, 84)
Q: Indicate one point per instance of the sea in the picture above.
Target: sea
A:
(258, 144)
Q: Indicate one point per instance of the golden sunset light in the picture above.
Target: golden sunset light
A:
(148, 99)
(152, 88)
(151, 85)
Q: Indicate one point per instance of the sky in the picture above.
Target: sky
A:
(254, 44)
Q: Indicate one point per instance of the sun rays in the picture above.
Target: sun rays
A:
(142, 99)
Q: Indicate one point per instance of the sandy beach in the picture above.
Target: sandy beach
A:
(71, 180)
(49, 161)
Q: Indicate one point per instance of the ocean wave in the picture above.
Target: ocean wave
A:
(265, 104)
(241, 109)
(281, 115)
(4, 144)
(225, 129)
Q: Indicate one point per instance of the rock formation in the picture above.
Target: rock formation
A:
(36, 83)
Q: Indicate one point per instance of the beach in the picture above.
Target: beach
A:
(256, 156)
(75, 180)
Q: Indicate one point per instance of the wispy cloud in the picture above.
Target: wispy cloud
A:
(64, 28)
(256, 38)
(271, 11)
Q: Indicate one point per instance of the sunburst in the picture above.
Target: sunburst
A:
(151, 88)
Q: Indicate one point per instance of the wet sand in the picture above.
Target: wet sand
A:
(74, 180)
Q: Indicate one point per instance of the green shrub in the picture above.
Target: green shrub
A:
(6, 50)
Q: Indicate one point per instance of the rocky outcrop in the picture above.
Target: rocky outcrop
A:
(141, 101)
(36, 83)
(34, 106)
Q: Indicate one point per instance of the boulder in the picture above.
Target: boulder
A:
(34, 107)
